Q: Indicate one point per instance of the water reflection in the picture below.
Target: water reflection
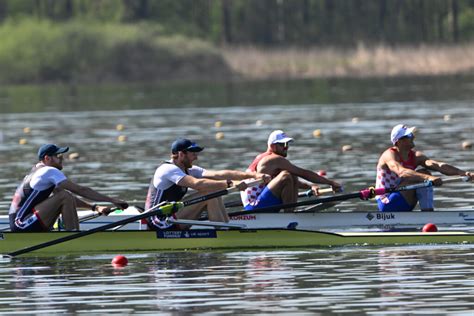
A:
(421, 279)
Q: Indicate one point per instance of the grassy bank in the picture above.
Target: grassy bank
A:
(35, 51)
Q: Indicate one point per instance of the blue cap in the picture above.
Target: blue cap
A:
(183, 144)
(50, 150)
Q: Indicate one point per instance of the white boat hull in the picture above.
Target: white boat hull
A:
(312, 221)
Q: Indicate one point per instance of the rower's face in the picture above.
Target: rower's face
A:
(188, 158)
(55, 161)
(407, 141)
(281, 149)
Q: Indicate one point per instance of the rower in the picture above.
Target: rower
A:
(283, 189)
(46, 193)
(401, 165)
(172, 179)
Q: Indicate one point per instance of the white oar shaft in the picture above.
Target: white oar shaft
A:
(455, 179)
(204, 223)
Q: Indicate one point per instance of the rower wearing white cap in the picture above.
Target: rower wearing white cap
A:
(283, 188)
(397, 166)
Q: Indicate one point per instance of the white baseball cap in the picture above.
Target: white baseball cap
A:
(278, 137)
(400, 131)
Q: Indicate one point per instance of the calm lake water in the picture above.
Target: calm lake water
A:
(360, 113)
(375, 281)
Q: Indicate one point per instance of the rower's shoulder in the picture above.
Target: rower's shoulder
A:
(273, 162)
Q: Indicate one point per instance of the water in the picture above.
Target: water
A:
(373, 281)
(125, 168)
(362, 280)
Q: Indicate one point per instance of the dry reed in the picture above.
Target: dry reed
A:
(362, 61)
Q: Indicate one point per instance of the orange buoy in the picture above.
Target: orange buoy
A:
(430, 228)
(120, 261)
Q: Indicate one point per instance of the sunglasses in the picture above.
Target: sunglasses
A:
(284, 144)
(409, 136)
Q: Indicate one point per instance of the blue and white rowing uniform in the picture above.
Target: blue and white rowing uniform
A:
(36, 187)
(164, 187)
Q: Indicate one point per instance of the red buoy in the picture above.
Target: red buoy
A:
(430, 228)
(120, 261)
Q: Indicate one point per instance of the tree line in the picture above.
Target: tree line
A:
(273, 22)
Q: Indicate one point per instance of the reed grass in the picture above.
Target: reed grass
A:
(362, 61)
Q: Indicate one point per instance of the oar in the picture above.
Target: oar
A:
(427, 183)
(364, 194)
(202, 223)
(166, 210)
(308, 193)
(94, 214)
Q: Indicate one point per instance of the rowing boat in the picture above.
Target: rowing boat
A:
(310, 220)
(150, 241)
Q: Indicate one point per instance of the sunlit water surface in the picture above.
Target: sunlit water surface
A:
(122, 162)
(374, 281)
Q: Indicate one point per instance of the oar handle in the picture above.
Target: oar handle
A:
(310, 192)
(249, 184)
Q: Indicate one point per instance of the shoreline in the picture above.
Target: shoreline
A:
(250, 63)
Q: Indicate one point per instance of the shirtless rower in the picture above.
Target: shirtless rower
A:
(283, 188)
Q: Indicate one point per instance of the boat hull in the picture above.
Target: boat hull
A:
(150, 241)
(312, 220)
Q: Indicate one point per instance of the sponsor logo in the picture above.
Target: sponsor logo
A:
(380, 216)
(385, 216)
(466, 217)
(173, 234)
(243, 218)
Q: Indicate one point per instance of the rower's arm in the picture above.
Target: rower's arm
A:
(306, 174)
(445, 168)
(228, 174)
(90, 194)
(203, 184)
(408, 174)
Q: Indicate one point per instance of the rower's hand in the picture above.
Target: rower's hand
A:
(104, 210)
(241, 185)
(266, 178)
(336, 187)
(470, 175)
(315, 190)
(437, 181)
(120, 204)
